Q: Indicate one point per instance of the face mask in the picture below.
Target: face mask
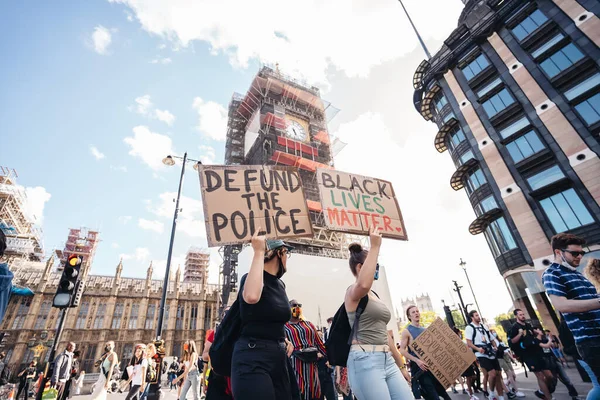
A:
(281, 270)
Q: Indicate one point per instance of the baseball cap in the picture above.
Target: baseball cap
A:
(273, 244)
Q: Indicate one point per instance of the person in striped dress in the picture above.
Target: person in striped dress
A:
(308, 349)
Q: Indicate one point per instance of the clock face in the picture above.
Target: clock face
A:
(296, 131)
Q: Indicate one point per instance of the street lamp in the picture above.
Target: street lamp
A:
(169, 160)
(463, 265)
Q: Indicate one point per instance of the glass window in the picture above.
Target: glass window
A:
(150, 316)
(566, 211)
(22, 312)
(499, 237)
(82, 315)
(485, 205)
(545, 177)
(456, 138)
(525, 146)
(590, 109)
(514, 127)
(561, 60)
(473, 68)
(498, 102)
(529, 24)
(475, 180)
(448, 116)
(440, 102)
(179, 317)
(466, 157)
(118, 314)
(485, 90)
(193, 318)
(583, 87)
(543, 48)
(207, 317)
(40, 322)
(133, 316)
(99, 320)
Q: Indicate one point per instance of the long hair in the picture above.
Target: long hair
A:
(187, 352)
(592, 272)
(134, 359)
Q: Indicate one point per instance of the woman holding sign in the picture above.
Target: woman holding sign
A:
(260, 357)
(374, 363)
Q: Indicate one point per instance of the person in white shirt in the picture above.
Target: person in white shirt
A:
(139, 362)
(77, 385)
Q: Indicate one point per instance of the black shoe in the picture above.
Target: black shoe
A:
(486, 394)
(454, 390)
(511, 395)
(465, 391)
(539, 394)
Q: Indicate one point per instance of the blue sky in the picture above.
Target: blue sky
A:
(95, 93)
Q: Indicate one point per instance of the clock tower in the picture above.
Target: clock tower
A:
(283, 121)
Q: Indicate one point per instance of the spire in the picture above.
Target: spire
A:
(150, 271)
(120, 268)
(416, 32)
(178, 273)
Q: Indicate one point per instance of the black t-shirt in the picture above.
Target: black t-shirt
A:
(529, 344)
(546, 351)
(266, 319)
(26, 377)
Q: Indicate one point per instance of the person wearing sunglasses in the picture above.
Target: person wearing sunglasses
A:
(259, 365)
(575, 297)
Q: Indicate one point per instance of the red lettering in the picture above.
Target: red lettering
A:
(345, 218)
(355, 216)
(387, 223)
(375, 219)
(333, 216)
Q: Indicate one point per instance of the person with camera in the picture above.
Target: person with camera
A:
(505, 360)
(482, 343)
(523, 342)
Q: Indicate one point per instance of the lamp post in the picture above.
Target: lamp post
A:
(154, 391)
(463, 265)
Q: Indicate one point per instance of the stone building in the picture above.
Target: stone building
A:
(112, 308)
(423, 302)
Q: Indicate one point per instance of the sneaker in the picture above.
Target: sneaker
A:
(464, 391)
(511, 395)
(486, 394)
(539, 394)
(519, 394)
(454, 390)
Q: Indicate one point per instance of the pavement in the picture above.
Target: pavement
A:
(527, 385)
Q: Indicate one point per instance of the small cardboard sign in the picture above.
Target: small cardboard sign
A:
(353, 203)
(240, 199)
(444, 353)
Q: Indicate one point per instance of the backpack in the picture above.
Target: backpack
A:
(341, 334)
(151, 373)
(226, 334)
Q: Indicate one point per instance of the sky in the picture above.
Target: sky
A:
(95, 94)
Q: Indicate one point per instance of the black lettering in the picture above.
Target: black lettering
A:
(367, 189)
(294, 186)
(280, 178)
(263, 201)
(218, 226)
(229, 181)
(339, 184)
(252, 223)
(382, 189)
(280, 214)
(295, 222)
(248, 178)
(274, 201)
(240, 216)
(267, 226)
(263, 180)
(210, 185)
(355, 185)
(327, 180)
(248, 196)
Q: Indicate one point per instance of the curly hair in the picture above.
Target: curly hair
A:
(592, 272)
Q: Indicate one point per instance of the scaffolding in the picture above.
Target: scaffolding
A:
(81, 242)
(23, 237)
(196, 266)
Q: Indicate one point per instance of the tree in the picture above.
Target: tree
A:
(427, 318)
(501, 332)
(503, 317)
(459, 321)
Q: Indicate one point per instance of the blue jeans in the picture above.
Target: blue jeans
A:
(374, 375)
(192, 381)
(594, 394)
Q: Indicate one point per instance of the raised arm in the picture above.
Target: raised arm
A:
(254, 281)
(366, 276)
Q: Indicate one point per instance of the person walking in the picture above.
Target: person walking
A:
(575, 297)
(481, 342)
(137, 368)
(191, 374)
(429, 387)
(73, 373)
(107, 366)
(25, 378)
(308, 350)
(77, 385)
(172, 374)
(152, 376)
(259, 366)
(341, 383)
(62, 370)
(374, 363)
(552, 363)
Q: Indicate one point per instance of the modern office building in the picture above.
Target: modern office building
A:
(515, 93)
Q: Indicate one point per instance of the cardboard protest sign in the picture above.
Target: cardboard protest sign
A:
(240, 199)
(353, 203)
(444, 353)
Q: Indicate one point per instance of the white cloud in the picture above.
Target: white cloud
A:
(96, 153)
(207, 154)
(120, 168)
(165, 116)
(140, 254)
(159, 266)
(191, 217)
(143, 104)
(36, 199)
(155, 226)
(101, 39)
(162, 46)
(351, 36)
(124, 219)
(163, 61)
(212, 118)
(114, 245)
(150, 147)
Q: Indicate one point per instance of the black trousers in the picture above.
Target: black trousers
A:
(134, 392)
(327, 388)
(23, 387)
(260, 370)
(430, 388)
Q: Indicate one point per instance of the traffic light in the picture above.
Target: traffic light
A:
(68, 282)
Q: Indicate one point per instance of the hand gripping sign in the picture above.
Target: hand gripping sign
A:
(239, 199)
(353, 203)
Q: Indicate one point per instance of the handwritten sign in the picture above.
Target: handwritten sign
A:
(354, 203)
(239, 199)
(444, 353)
